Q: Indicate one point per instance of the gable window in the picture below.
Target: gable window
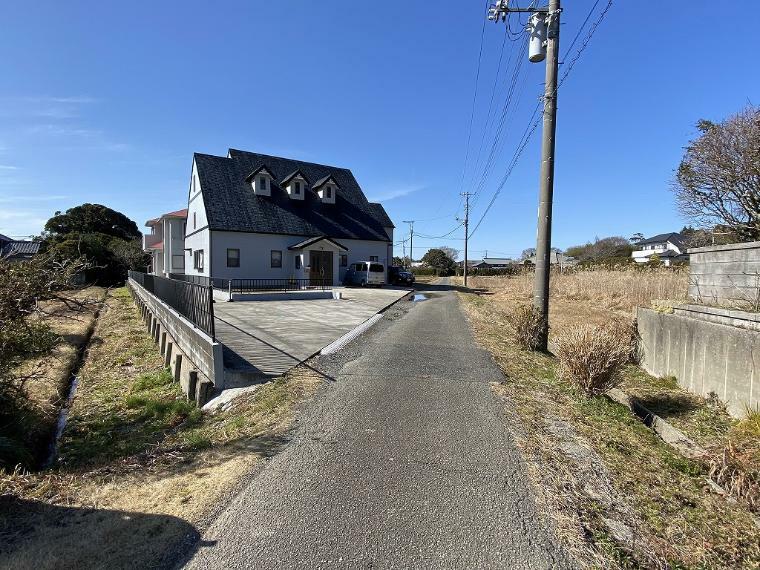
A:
(233, 257)
(198, 259)
(298, 262)
(373, 258)
(262, 182)
(344, 260)
(329, 191)
(195, 222)
(297, 188)
(276, 258)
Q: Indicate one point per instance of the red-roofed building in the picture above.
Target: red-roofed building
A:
(166, 243)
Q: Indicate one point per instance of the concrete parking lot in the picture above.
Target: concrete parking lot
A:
(269, 337)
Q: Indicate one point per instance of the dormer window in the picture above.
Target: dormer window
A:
(327, 189)
(261, 181)
(295, 184)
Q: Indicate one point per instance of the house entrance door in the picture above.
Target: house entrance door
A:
(321, 270)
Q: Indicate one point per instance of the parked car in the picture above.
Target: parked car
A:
(365, 273)
(400, 276)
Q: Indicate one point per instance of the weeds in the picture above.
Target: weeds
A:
(591, 356)
(736, 467)
(528, 325)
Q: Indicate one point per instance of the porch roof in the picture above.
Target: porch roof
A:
(311, 241)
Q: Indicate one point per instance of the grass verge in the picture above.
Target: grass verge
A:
(139, 467)
(619, 496)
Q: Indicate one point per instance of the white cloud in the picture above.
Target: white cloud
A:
(8, 167)
(392, 191)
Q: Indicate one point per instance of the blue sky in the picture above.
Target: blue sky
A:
(106, 102)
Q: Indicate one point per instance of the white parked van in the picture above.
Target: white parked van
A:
(365, 273)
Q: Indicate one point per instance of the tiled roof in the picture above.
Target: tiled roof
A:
(673, 237)
(175, 214)
(232, 205)
(5, 238)
(20, 248)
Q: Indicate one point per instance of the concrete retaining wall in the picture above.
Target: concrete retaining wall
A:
(703, 349)
(725, 273)
(194, 358)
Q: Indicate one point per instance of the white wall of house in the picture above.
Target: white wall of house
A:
(642, 255)
(197, 235)
(174, 244)
(256, 255)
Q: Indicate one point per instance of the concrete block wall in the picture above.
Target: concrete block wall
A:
(193, 358)
(706, 355)
(725, 273)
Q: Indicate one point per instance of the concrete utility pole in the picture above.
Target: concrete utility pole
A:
(411, 242)
(546, 193)
(543, 44)
(466, 196)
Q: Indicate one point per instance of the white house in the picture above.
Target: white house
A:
(254, 216)
(166, 243)
(670, 248)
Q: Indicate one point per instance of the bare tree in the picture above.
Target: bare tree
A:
(449, 251)
(718, 180)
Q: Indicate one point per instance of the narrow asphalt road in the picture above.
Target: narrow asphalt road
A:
(403, 462)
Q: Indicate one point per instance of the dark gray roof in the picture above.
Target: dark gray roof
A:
(4, 238)
(322, 181)
(231, 205)
(20, 248)
(673, 237)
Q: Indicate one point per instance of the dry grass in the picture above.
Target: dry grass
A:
(528, 326)
(589, 296)
(140, 469)
(736, 467)
(620, 497)
(591, 356)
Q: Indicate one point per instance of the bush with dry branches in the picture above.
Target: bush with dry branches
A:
(591, 356)
(22, 286)
(527, 324)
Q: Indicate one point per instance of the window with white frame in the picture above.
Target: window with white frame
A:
(198, 259)
(297, 188)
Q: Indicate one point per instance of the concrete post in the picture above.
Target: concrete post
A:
(177, 367)
(205, 388)
(192, 385)
(168, 354)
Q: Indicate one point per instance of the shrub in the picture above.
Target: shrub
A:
(527, 323)
(591, 356)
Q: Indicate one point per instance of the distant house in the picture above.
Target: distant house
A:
(166, 243)
(490, 263)
(670, 248)
(555, 258)
(15, 250)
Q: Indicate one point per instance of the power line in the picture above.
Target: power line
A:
(532, 127)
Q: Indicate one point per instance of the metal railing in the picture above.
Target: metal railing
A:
(256, 285)
(193, 301)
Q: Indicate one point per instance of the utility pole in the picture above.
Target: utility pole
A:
(411, 242)
(543, 43)
(466, 196)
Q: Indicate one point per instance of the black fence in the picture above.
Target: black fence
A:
(193, 301)
(256, 285)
